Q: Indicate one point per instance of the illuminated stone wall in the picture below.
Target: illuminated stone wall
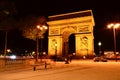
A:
(62, 26)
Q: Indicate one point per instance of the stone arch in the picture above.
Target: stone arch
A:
(62, 26)
(65, 40)
(66, 33)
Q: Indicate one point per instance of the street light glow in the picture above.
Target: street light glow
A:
(116, 25)
(99, 43)
(38, 26)
(45, 27)
(41, 29)
(8, 50)
(110, 25)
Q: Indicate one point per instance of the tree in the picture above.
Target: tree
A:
(32, 28)
(7, 22)
(29, 27)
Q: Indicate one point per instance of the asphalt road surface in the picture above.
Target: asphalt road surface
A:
(77, 70)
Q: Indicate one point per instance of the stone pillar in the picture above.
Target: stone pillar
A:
(84, 45)
(51, 45)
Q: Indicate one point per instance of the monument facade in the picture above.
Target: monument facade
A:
(61, 27)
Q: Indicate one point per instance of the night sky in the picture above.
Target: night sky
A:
(104, 12)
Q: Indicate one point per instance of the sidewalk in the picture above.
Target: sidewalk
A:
(54, 65)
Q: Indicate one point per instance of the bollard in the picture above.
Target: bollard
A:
(45, 65)
(34, 68)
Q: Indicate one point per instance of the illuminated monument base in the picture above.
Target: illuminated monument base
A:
(61, 27)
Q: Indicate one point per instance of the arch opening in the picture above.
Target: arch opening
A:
(71, 43)
(68, 39)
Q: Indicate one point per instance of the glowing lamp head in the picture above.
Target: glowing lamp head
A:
(116, 25)
(38, 26)
(110, 25)
(45, 27)
(99, 43)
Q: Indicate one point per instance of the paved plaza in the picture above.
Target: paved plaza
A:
(76, 70)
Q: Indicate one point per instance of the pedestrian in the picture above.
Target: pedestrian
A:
(66, 61)
(70, 58)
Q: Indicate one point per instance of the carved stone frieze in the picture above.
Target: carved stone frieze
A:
(84, 29)
(83, 43)
(68, 27)
(54, 31)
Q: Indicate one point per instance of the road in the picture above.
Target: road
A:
(77, 70)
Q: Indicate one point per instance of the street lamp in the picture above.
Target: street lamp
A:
(114, 27)
(41, 30)
(5, 49)
(99, 44)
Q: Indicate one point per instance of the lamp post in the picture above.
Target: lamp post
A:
(41, 30)
(6, 34)
(114, 27)
(99, 44)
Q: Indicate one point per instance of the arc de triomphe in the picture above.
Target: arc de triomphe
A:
(62, 26)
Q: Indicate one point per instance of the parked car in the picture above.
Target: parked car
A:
(99, 59)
